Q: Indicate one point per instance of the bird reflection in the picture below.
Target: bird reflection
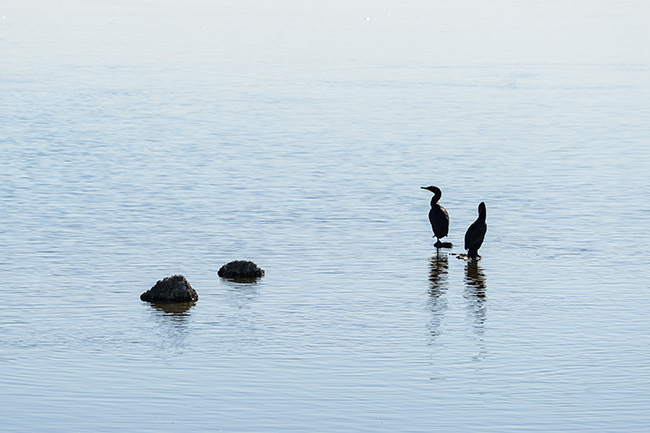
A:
(475, 294)
(476, 297)
(475, 279)
(438, 272)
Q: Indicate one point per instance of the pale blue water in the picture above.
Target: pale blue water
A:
(146, 139)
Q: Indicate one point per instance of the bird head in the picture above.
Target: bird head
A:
(433, 189)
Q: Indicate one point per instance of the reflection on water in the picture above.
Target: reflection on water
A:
(241, 295)
(475, 294)
(243, 321)
(173, 320)
(176, 310)
(475, 279)
(438, 275)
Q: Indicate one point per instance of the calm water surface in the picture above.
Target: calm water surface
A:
(146, 139)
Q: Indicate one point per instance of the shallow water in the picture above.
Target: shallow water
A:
(143, 140)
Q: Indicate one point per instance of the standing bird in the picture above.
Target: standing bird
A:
(476, 233)
(438, 217)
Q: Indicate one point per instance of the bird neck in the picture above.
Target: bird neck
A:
(435, 199)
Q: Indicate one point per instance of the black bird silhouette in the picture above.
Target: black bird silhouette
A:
(438, 217)
(476, 233)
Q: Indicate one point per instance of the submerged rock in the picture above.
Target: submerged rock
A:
(170, 290)
(241, 270)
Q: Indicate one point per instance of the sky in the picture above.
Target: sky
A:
(306, 34)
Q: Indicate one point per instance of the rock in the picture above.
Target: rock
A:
(170, 290)
(240, 270)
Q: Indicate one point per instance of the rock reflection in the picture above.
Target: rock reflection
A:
(476, 296)
(243, 321)
(174, 323)
(241, 295)
(438, 273)
(180, 309)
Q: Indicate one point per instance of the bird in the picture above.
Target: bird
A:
(476, 233)
(438, 217)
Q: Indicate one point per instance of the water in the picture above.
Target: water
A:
(146, 139)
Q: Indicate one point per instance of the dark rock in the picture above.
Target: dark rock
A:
(170, 290)
(241, 270)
